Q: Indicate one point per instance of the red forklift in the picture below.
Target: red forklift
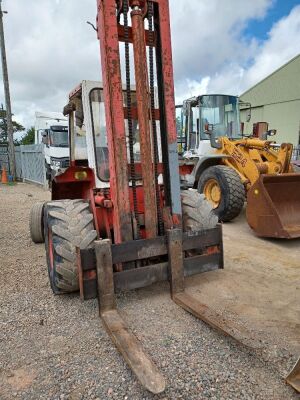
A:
(118, 218)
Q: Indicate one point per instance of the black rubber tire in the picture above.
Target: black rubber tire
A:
(232, 190)
(197, 213)
(36, 223)
(68, 224)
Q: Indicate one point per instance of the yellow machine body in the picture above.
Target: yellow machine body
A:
(273, 189)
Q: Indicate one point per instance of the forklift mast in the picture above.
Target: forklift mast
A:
(130, 27)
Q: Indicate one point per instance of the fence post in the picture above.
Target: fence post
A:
(44, 169)
(22, 163)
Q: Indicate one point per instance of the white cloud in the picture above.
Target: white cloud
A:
(207, 34)
(188, 88)
(283, 44)
(253, 62)
(50, 49)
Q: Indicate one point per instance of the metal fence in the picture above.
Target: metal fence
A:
(4, 160)
(18, 162)
(296, 153)
(30, 163)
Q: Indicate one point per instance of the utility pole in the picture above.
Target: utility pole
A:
(10, 130)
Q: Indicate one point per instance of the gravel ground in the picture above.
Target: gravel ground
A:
(55, 347)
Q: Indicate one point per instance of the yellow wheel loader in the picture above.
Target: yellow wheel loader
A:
(229, 167)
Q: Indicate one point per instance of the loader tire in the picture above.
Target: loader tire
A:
(197, 212)
(232, 192)
(36, 223)
(68, 224)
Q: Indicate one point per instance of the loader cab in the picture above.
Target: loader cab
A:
(205, 116)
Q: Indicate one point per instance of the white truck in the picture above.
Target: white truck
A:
(51, 129)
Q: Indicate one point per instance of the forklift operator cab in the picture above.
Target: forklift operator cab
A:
(88, 140)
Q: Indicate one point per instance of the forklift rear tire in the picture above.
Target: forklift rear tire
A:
(68, 224)
(197, 212)
(223, 187)
(36, 223)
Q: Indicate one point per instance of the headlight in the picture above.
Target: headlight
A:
(55, 163)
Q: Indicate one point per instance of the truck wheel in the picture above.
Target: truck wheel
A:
(197, 213)
(68, 224)
(36, 223)
(224, 189)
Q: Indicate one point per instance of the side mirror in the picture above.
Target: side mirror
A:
(271, 132)
(44, 135)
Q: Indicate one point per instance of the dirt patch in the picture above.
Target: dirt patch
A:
(20, 379)
(55, 347)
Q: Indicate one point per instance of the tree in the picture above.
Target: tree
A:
(28, 138)
(3, 129)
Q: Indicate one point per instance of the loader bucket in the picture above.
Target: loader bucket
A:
(273, 208)
(293, 378)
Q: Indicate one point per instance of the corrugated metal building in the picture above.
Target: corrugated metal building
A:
(276, 100)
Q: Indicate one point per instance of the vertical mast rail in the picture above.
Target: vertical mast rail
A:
(167, 109)
(154, 129)
(116, 137)
(143, 106)
(129, 115)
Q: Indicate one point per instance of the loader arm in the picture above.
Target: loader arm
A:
(253, 157)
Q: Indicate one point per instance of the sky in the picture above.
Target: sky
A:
(218, 47)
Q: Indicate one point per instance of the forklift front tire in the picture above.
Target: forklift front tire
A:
(68, 224)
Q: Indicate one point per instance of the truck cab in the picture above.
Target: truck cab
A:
(51, 130)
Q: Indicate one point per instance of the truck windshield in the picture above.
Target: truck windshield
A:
(222, 113)
(59, 138)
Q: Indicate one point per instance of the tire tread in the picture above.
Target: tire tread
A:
(235, 191)
(36, 226)
(72, 225)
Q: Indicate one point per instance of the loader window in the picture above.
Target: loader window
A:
(99, 133)
(180, 128)
(222, 112)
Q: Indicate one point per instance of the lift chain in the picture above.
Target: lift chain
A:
(154, 130)
(129, 115)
